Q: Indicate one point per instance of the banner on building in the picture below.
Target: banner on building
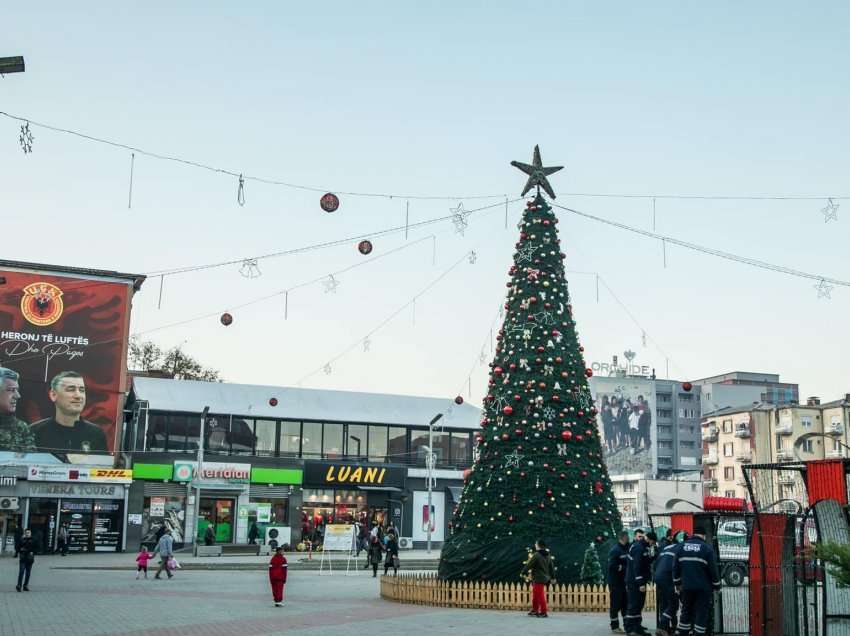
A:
(63, 348)
(62, 472)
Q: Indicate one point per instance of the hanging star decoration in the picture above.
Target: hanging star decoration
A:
(824, 289)
(526, 253)
(26, 139)
(537, 174)
(367, 344)
(330, 284)
(250, 268)
(327, 369)
(459, 218)
(830, 211)
(473, 257)
(513, 460)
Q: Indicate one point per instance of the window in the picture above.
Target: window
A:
(628, 486)
(663, 398)
(665, 460)
(357, 447)
(687, 444)
(397, 445)
(727, 426)
(461, 448)
(665, 444)
(686, 397)
(712, 473)
(241, 437)
(290, 439)
(332, 441)
(266, 434)
(728, 450)
(779, 442)
(729, 473)
(311, 440)
(730, 494)
(665, 413)
(807, 446)
(217, 435)
(377, 443)
(157, 432)
(193, 433)
(806, 421)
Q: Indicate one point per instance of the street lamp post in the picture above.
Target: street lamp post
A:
(429, 464)
(199, 472)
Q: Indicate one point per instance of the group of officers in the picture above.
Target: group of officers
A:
(685, 572)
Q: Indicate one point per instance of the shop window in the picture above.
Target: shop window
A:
(461, 448)
(311, 442)
(357, 440)
(265, 432)
(159, 511)
(397, 445)
(241, 437)
(377, 443)
(332, 441)
(290, 439)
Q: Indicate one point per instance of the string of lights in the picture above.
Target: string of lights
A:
(710, 197)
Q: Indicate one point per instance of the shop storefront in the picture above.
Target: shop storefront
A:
(11, 506)
(343, 492)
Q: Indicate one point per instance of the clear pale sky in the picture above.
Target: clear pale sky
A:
(437, 98)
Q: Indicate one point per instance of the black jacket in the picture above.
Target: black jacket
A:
(540, 566)
(640, 561)
(618, 559)
(26, 550)
(665, 561)
(695, 567)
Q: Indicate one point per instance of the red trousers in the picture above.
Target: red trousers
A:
(277, 591)
(538, 598)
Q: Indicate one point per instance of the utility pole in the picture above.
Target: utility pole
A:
(430, 464)
(199, 472)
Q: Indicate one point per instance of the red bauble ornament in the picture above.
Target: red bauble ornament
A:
(364, 247)
(598, 487)
(588, 372)
(566, 436)
(512, 366)
(559, 359)
(548, 493)
(498, 371)
(459, 399)
(687, 386)
(329, 202)
(273, 401)
(508, 410)
(226, 319)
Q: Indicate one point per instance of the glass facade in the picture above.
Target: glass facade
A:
(233, 435)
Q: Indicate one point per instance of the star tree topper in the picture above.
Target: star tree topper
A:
(537, 174)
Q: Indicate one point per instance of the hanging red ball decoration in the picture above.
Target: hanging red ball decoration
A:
(226, 319)
(498, 371)
(687, 386)
(273, 401)
(459, 399)
(597, 487)
(588, 372)
(329, 202)
(364, 247)
(508, 410)
(566, 435)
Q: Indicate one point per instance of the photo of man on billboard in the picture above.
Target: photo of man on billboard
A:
(15, 434)
(67, 431)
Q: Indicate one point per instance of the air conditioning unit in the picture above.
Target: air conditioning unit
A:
(8, 503)
(278, 535)
(405, 543)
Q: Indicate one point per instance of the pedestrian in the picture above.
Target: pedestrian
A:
(375, 553)
(165, 547)
(209, 535)
(542, 572)
(26, 557)
(696, 577)
(62, 539)
(19, 533)
(667, 601)
(392, 560)
(637, 578)
(277, 575)
(253, 533)
(618, 559)
(142, 561)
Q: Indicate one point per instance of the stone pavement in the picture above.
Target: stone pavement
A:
(223, 603)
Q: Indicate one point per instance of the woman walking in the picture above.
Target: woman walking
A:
(392, 554)
(375, 553)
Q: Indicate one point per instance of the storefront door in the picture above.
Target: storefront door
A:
(42, 523)
(219, 512)
(77, 514)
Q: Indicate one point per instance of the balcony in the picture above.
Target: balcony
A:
(709, 458)
(785, 428)
(835, 453)
(787, 479)
(742, 430)
(784, 455)
(710, 434)
(744, 455)
(835, 428)
(741, 482)
(711, 484)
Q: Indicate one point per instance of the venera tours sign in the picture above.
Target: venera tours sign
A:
(219, 472)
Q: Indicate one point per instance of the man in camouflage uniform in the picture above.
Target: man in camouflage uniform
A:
(15, 434)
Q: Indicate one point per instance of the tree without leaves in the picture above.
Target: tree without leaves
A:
(148, 356)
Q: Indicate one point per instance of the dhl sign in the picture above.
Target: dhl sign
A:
(111, 474)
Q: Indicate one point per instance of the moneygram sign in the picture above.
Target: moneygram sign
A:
(220, 472)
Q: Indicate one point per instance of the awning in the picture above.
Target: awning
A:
(384, 488)
(455, 492)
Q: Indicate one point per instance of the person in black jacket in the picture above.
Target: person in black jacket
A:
(391, 560)
(641, 555)
(696, 576)
(26, 552)
(617, 560)
(667, 601)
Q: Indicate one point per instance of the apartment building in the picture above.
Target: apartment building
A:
(744, 387)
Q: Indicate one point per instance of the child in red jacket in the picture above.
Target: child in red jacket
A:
(277, 576)
(142, 562)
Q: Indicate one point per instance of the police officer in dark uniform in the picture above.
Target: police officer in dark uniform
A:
(638, 575)
(617, 561)
(696, 576)
(667, 600)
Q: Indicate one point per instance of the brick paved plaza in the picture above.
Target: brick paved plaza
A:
(226, 602)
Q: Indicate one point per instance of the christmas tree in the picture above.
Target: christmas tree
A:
(591, 569)
(538, 471)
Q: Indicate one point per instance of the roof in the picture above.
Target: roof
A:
(136, 279)
(753, 376)
(250, 400)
